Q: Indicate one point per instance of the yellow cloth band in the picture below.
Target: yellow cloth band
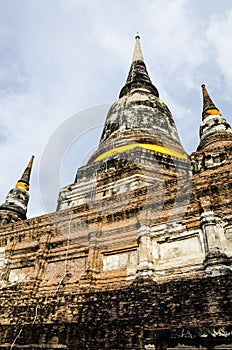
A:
(213, 111)
(22, 185)
(154, 148)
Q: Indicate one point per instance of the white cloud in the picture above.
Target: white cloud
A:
(219, 35)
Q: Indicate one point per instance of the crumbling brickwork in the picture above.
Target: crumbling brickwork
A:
(132, 317)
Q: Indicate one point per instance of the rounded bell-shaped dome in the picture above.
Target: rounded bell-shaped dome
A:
(141, 116)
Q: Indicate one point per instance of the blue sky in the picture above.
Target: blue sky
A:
(59, 57)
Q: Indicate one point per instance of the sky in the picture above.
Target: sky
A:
(63, 63)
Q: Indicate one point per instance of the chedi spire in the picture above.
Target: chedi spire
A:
(138, 56)
(213, 127)
(138, 76)
(209, 107)
(15, 206)
(25, 178)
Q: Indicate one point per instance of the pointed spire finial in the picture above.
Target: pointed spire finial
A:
(213, 127)
(138, 56)
(15, 206)
(25, 178)
(138, 77)
(209, 107)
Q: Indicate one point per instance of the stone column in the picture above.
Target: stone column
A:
(93, 262)
(210, 225)
(216, 261)
(145, 263)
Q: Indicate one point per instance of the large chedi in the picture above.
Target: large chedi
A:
(139, 133)
(139, 115)
(138, 254)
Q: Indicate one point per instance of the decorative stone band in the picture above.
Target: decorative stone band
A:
(154, 148)
(22, 185)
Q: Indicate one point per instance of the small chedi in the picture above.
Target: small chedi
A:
(138, 254)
